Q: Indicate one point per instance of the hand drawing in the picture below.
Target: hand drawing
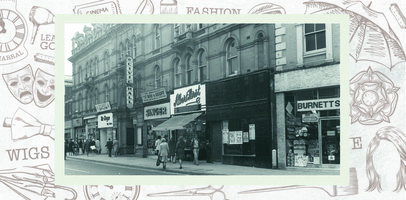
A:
(40, 16)
(20, 83)
(371, 37)
(267, 8)
(398, 139)
(373, 97)
(43, 88)
(23, 126)
(208, 191)
(145, 7)
(332, 191)
(99, 192)
(35, 182)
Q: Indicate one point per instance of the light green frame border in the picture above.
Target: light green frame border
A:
(342, 179)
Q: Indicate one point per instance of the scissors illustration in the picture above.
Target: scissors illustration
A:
(210, 191)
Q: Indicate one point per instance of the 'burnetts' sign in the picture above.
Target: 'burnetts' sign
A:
(192, 95)
(318, 104)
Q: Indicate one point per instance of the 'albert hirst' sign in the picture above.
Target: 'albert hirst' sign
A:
(192, 95)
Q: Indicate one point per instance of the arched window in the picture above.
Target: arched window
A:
(89, 100)
(106, 93)
(178, 72)
(189, 70)
(157, 36)
(96, 66)
(231, 55)
(106, 61)
(121, 52)
(79, 75)
(134, 50)
(113, 92)
(261, 51)
(138, 86)
(87, 70)
(157, 77)
(202, 64)
(129, 48)
(96, 96)
(79, 103)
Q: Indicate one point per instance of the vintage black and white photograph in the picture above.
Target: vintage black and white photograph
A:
(202, 99)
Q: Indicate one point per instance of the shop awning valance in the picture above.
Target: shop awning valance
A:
(176, 122)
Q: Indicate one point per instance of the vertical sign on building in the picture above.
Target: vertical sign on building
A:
(129, 81)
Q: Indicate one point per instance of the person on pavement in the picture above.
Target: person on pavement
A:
(87, 146)
(180, 150)
(195, 145)
(172, 145)
(109, 146)
(157, 143)
(115, 147)
(66, 147)
(92, 145)
(163, 152)
(98, 146)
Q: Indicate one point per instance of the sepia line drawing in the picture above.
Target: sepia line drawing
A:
(35, 182)
(40, 16)
(169, 7)
(26, 88)
(129, 192)
(371, 37)
(398, 139)
(209, 191)
(332, 191)
(42, 58)
(373, 97)
(145, 7)
(23, 125)
(267, 8)
(397, 13)
(98, 7)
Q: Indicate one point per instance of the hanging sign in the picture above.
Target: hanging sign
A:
(318, 104)
(153, 95)
(103, 107)
(105, 120)
(157, 111)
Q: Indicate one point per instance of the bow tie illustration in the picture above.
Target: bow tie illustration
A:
(35, 183)
(24, 125)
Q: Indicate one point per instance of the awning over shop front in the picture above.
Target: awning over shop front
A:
(176, 122)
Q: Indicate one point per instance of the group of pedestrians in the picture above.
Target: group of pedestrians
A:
(89, 146)
(175, 150)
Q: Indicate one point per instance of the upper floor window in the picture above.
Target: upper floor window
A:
(79, 74)
(178, 72)
(106, 93)
(122, 51)
(315, 36)
(189, 70)
(231, 55)
(157, 77)
(106, 61)
(157, 36)
(261, 51)
(202, 64)
(129, 48)
(134, 50)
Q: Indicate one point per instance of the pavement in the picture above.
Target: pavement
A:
(203, 168)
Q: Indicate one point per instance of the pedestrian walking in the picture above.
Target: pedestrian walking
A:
(115, 147)
(172, 145)
(109, 146)
(66, 147)
(93, 145)
(80, 144)
(180, 150)
(208, 152)
(87, 146)
(157, 143)
(163, 152)
(70, 147)
(195, 145)
(98, 146)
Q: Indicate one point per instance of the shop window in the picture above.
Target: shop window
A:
(315, 36)
(231, 55)
(189, 70)
(238, 137)
(202, 64)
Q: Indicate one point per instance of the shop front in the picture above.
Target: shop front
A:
(188, 119)
(313, 127)
(78, 128)
(153, 116)
(106, 128)
(239, 119)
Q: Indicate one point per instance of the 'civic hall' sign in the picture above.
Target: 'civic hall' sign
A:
(318, 104)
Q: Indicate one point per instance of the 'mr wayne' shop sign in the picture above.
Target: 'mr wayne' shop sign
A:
(192, 96)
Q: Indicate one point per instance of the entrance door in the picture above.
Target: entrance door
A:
(329, 130)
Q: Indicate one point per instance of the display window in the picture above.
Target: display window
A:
(312, 127)
(238, 137)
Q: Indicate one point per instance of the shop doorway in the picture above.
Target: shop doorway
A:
(329, 132)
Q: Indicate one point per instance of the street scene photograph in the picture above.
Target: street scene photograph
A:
(202, 99)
